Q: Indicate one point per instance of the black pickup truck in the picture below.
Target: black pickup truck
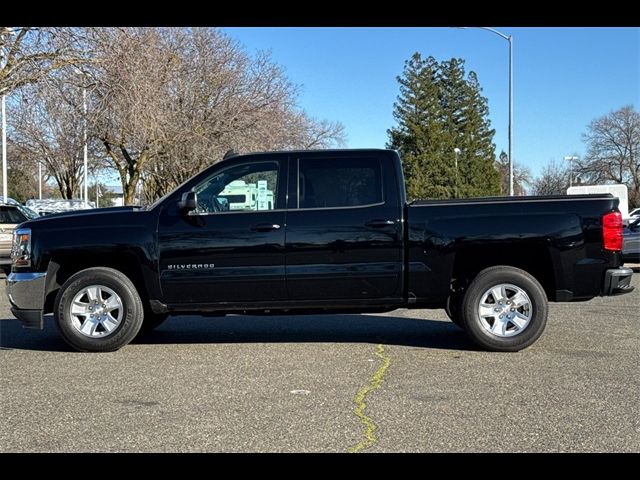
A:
(309, 232)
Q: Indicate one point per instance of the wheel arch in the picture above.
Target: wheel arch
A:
(61, 267)
(534, 259)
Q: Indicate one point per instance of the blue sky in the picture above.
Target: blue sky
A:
(563, 77)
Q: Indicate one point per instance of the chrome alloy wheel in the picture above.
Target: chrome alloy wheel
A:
(505, 310)
(96, 311)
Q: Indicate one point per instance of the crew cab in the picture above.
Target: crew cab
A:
(337, 236)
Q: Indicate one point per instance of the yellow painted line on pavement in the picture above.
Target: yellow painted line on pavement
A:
(369, 425)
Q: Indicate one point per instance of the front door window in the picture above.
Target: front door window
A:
(241, 188)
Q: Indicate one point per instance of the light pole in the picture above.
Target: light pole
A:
(84, 134)
(4, 137)
(508, 38)
(457, 151)
(4, 150)
(571, 159)
(39, 180)
(86, 169)
(7, 31)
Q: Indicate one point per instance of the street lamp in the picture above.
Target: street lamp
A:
(457, 151)
(571, 159)
(3, 53)
(4, 148)
(84, 110)
(508, 38)
(39, 180)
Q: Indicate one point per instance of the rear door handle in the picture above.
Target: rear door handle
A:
(265, 227)
(379, 223)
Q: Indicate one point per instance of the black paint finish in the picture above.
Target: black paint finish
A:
(242, 262)
(346, 252)
(378, 256)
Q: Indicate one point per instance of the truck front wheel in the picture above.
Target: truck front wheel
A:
(504, 309)
(98, 310)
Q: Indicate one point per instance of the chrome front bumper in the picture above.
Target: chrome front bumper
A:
(26, 294)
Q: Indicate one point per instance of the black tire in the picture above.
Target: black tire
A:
(497, 275)
(132, 314)
(453, 308)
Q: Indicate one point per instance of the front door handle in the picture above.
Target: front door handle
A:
(265, 227)
(379, 223)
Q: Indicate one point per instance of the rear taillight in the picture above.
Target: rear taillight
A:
(612, 231)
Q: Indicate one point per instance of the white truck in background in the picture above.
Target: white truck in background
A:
(247, 196)
(49, 206)
(617, 190)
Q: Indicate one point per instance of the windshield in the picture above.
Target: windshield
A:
(161, 199)
(27, 212)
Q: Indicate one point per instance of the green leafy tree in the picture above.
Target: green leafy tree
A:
(439, 109)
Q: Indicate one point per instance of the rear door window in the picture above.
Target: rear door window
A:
(339, 182)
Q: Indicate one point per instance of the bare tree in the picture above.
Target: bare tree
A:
(32, 53)
(131, 73)
(613, 145)
(22, 174)
(521, 176)
(48, 128)
(164, 103)
(554, 180)
(222, 98)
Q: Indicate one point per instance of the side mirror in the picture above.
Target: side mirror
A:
(188, 202)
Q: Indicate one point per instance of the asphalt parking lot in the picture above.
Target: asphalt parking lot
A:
(402, 381)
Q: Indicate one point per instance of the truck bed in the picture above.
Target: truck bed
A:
(558, 238)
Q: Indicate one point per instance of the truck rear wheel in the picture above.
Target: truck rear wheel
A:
(504, 309)
(98, 310)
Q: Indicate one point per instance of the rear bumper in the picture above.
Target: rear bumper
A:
(617, 281)
(26, 294)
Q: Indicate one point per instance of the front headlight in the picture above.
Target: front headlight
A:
(21, 250)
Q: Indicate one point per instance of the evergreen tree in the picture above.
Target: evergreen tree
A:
(438, 110)
(419, 135)
(478, 150)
